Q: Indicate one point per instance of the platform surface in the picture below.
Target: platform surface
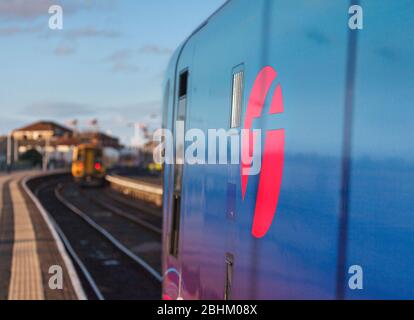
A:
(29, 248)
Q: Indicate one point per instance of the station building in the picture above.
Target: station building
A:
(55, 142)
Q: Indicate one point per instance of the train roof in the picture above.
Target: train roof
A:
(89, 146)
(181, 47)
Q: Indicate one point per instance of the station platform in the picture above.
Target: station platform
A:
(33, 260)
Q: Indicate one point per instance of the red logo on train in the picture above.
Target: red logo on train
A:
(270, 179)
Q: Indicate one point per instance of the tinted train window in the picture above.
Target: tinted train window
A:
(183, 84)
(98, 155)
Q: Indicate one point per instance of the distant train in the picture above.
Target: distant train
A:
(87, 165)
(331, 214)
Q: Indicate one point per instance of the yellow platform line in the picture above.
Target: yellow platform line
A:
(26, 277)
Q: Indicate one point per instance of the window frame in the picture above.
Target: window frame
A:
(237, 70)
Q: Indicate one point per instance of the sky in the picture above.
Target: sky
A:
(107, 62)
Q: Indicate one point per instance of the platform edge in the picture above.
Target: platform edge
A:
(76, 283)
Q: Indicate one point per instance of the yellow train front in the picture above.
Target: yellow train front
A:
(87, 165)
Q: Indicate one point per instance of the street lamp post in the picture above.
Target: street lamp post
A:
(46, 154)
(9, 152)
(16, 150)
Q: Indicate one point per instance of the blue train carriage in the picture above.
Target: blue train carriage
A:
(330, 215)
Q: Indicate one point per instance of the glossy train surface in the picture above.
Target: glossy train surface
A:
(342, 174)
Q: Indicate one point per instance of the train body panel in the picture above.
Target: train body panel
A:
(209, 249)
(381, 206)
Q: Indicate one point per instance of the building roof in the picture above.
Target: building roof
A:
(103, 138)
(44, 126)
(64, 136)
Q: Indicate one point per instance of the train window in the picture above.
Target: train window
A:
(236, 100)
(183, 84)
(80, 155)
(98, 155)
(181, 115)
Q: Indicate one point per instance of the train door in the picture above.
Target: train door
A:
(173, 177)
(180, 119)
(89, 160)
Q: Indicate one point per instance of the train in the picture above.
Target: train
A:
(330, 214)
(88, 167)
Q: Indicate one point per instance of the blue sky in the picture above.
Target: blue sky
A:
(107, 62)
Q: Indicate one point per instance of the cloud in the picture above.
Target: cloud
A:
(32, 9)
(120, 55)
(121, 67)
(64, 50)
(20, 15)
(70, 35)
(142, 109)
(155, 50)
(127, 114)
(58, 109)
(17, 30)
(64, 110)
(23, 9)
(90, 32)
(120, 62)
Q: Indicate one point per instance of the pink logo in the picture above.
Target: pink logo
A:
(270, 180)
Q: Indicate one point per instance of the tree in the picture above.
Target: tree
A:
(32, 156)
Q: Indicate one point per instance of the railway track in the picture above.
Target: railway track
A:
(106, 200)
(117, 252)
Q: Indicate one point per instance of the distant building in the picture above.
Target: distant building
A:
(48, 138)
(129, 157)
(56, 141)
(100, 138)
(147, 152)
(3, 145)
(41, 131)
